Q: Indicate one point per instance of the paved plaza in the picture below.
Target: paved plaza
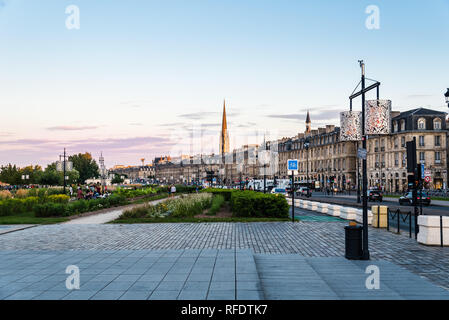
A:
(272, 260)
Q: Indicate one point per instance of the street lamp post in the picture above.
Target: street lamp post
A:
(364, 169)
(306, 146)
(446, 96)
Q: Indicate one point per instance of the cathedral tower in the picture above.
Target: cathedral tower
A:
(308, 124)
(224, 136)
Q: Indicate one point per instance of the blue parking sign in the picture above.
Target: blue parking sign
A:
(292, 164)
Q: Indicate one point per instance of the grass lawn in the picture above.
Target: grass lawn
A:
(29, 218)
(195, 220)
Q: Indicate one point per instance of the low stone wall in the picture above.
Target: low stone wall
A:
(430, 228)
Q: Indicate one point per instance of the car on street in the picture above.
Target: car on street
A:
(304, 192)
(374, 195)
(407, 199)
(279, 191)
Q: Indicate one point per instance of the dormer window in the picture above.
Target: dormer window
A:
(437, 124)
(395, 126)
(403, 125)
(421, 124)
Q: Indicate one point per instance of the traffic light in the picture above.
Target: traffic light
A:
(411, 155)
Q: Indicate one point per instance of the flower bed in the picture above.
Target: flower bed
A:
(184, 206)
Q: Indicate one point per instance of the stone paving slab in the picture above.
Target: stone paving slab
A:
(162, 274)
(301, 278)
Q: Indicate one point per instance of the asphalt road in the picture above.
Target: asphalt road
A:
(433, 209)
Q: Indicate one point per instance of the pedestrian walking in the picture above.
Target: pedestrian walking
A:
(173, 190)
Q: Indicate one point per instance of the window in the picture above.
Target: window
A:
(421, 124)
(421, 141)
(395, 126)
(402, 141)
(422, 157)
(395, 143)
(437, 157)
(437, 141)
(396, 159)
(403, 125)
(437, 124)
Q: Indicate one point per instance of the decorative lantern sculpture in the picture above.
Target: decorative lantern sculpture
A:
(377, 117)
(350, 126)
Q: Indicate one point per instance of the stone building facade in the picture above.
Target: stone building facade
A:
(324, 160)
(387, 163)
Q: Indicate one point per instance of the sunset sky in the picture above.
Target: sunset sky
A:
(139, 76)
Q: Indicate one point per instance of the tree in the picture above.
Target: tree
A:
(10, 174)
(117, 179)
(50, 177)
(85, 165)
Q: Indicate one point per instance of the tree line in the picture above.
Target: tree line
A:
(84, 167)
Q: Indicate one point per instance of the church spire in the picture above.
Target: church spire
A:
(308, 123)
(224, 136)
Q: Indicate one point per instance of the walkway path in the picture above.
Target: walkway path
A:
(104, 217)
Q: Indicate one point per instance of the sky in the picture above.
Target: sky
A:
(145, 78)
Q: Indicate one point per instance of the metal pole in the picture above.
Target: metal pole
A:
(293, 196)
(365, 255)
(358, 173)
(441, 230)
(264, 179)
(63, 163)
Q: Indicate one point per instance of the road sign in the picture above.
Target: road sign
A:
(292, 164)
(422, 171)
(427, 179)
(427, 173)
(361, 153)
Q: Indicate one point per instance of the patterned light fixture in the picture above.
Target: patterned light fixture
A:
(350, 126)
(377, 117)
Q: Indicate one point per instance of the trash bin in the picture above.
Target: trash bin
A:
(353, 242)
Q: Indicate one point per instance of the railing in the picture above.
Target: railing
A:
(394, 219)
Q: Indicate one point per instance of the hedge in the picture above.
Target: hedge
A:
(15, 206)
(257, 205)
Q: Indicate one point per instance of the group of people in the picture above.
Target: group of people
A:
(91, 192)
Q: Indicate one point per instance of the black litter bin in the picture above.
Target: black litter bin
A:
(353, 246)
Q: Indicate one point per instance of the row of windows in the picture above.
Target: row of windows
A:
(400, 160)
(421, 142)
(421, 124)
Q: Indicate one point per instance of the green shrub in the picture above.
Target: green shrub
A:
(30, 202)
(217, 202)
(16, 206)
(78, 206)
(116, 200)
(258, 205)
(51, 210)
(58, 198)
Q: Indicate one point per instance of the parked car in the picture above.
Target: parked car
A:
(374, 195)
(407, 199)
(279, 191)
(304, 192)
